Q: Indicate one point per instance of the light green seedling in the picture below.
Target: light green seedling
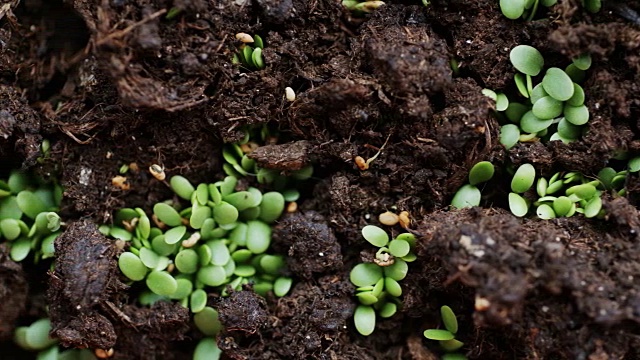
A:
(526, 59)
(466, 197)
(523, 178)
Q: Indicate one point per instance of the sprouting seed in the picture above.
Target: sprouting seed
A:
(361, 163)
(157, 171)
(404, 219)
(244, 37)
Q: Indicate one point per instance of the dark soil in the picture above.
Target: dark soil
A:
(112, 82)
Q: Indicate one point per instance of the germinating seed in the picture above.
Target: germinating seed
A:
(290, 95)
(388, 218)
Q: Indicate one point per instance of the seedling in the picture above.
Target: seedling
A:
(469, 195)
(28, 218)
(249, 57)
(447, 336)
(557, 100)
(377, 284)
(362, 7)
(238, 164)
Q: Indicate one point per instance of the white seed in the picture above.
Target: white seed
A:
(244, 37)
(290, 94)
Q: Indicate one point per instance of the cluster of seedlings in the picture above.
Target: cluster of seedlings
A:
(35, 337)
(562, 195)
(247, 56)
(469, 195)
(527, 9)
(239, 164)
(219, 240)
(377, 287)
(28, 218)
(553, 110)
(447, 336)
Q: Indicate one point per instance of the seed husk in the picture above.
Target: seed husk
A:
(388, 218)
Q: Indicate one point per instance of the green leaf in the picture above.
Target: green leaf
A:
(375, 235)
(481, 172)
(523, 178)
(449, 319)
(466, 197)
(365, 274)
(365, 319)
(558, 84)
(438, 334)
(518, 205)
(512, 9)
(525, 58)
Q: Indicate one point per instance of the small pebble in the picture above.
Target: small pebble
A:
(290, 94)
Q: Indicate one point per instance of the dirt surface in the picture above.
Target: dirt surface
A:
(113, 82)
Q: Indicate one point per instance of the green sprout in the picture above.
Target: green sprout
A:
(469, 195)
(363, 7)
(515, 9)
(35, 337)
(218, 241)
(28, 218)
(378, 289)
(447, 336)
(249, 57)
(581, 194)
(553, 110)
(238, 164)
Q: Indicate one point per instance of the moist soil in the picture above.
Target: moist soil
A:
(112, 82)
